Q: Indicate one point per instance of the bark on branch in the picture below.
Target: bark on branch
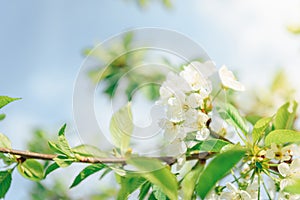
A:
(33, 155)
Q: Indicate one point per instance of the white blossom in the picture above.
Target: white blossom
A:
(228, 79)
(276, 152)
(195, 78)
(234, 193)
(289, 172)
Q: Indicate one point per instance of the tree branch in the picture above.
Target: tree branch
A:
(33, 155)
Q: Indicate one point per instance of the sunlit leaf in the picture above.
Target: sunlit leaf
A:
(285, 116)
(5, 182)
(211, 145)
(4, 141)
(62, 146)
(86, 172)
(260, 127)
(121, 127)
(294, 188)
(156, 173)
(31, 169)
(4, 100)
(233, 117)
(89, 151)
(217, 169)
(282, 137)
(190, 180)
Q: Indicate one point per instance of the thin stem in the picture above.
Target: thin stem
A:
(266, 189)
(33, 155)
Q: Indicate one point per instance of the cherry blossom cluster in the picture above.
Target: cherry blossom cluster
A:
(187, 98)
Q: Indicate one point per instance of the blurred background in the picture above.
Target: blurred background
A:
(42, 47)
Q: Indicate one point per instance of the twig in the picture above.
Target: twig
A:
(33, 155)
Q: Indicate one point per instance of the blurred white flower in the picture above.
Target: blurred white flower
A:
(194, 100)
(228, 79)
(195, 78)
(202, 134)
(176, 148)
(234, 193)
(172, 130)
(289, 172)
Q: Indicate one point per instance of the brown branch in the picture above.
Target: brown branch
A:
(33, 155)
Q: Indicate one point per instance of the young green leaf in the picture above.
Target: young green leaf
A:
(51, 168)
(2, 117)
(5, 181)
(4, 141)
(62, 146)
(156, 173)
(211, 145)
(121, 127)
(86, 172)
(260, 127)
(62, 130)
(282, 137)
(89, 151)
(217, 169)
(190, 180)
(233, 117)
(285, 116)
(31, 169)
(129, 184)
(4, 100)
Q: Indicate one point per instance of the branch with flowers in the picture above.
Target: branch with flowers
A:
(211, 150)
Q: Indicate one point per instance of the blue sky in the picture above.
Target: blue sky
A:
(41, 44)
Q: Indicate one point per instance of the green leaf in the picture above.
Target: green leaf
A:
(144, 190)
(282, 137)
(63, 161)
(127, 39)
(5, 182)
(51, 168)
(89, 151)
(285, 116)
(86, 172)
(4, 100)
(159, 195)
(233, 117)
(211, 145)
(2, 117)
(190, 180)
(31, 169)
(62, 146)
(294, 188)
(4, 141)
(121, 127)
(217, 169)
(260, 127)
(129, 184)
(157, 173)
(62, 130)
